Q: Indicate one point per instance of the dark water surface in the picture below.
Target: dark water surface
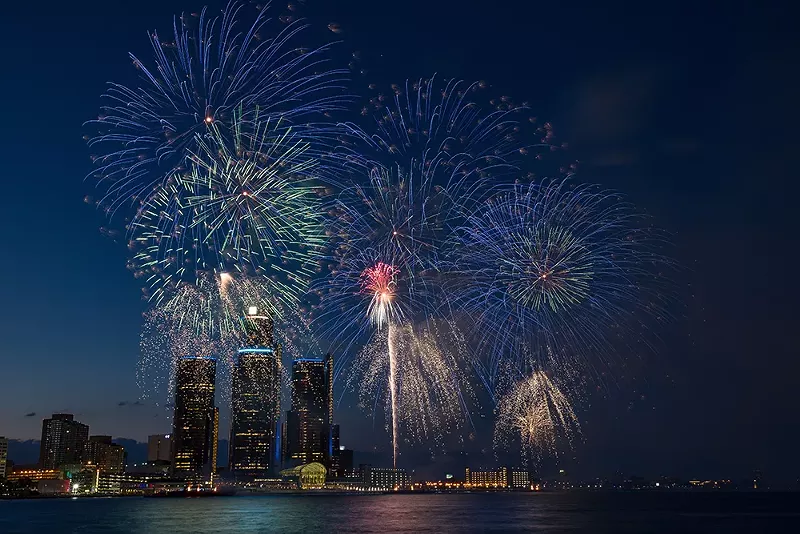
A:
(526, 512)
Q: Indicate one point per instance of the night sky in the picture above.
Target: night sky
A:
(690, 110)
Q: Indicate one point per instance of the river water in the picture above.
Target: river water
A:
(612, 512)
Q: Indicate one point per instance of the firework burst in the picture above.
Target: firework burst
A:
(246, 205)
(379, 281)
(538, 415)
(425, 159)
(210, 67)
(554, 271)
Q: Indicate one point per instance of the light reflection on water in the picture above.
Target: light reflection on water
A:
(527, 512)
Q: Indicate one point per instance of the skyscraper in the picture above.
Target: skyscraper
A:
(309, 421)
(335, 467)
(194, 419)
(214, 441)
(64, 442)
(255, 402)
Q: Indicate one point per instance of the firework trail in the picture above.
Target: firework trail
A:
(429, 154)
(422, 382)
(209, 67)
(413, 172)
(555, 271)
(246, 205)
(391, 339)
(538, 414)
(379, 283)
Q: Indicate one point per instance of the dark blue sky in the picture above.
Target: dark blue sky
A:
(689, 109)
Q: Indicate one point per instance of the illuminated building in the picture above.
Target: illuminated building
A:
(306, 476)
(487, 478)
(106, 455)
(159, 448)
(256, 403)
(215, 441)
(110, 483)
(194, 418)
(335, 453)
(85, 480)
(308, 425)
(63, 442)
(3, 456)
(35, 474)
(519, 478)
(384, 478)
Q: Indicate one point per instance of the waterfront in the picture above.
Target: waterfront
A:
(652, 512)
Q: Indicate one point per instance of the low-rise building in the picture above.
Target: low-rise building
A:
(486, 478)
(306, 476)
(384, 478)
(519, 478)
(35, 475)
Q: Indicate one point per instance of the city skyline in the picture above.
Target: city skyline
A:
(704, 387)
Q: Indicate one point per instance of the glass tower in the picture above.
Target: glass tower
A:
(256, 402)
(309, 421)
(194, 420)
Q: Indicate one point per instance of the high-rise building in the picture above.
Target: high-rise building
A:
(159, 448)
(214, 441)
(345, 461)
(193, 422)
(335, 467)
(64, 442)
(3, 456)
(106, 455)
(308, 425)
(256, 402)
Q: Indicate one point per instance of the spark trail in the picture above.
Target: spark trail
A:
(380, 282)
(393, 388)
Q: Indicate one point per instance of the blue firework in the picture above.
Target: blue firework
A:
(428, 153)
(551, 275)
(209, 67)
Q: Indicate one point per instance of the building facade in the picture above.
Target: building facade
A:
(345, 461)
(306, 476)
(64, 442)
(35, 474)
(256, 402)
(255, 412)
(519, 478)
(106, 455)
(159, 448)
(384, 478)
(3, 456)
(487, 478)
(194, 420)
(308, 423)
(335, 467)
